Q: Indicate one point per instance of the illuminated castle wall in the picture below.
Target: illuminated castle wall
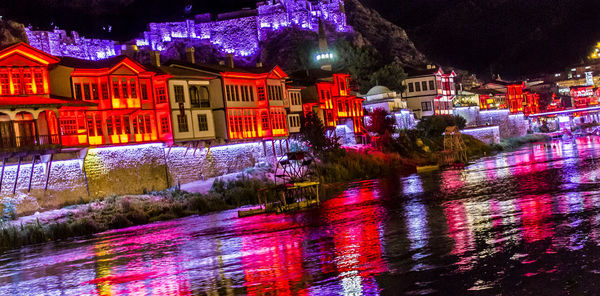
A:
(59, 43)
(241, 32)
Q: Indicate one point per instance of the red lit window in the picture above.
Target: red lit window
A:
(16, 82)
(4, 84)
(98, 125)
(164, 124)
(251, 93)
(124, 87)
(86, 92)
(68, 126)
(116, 89)
(148, 125)
(132, 88)
(28, 82)
(94, 91)
(261, 93)
(161, 95)
(77, 91)
(90, 126)
(109, 126)
(39, 82)
(140, 125)
(104, 89)
(144, 91)
(118, 125)
(126, 127)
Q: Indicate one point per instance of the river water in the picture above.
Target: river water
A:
(517, 223)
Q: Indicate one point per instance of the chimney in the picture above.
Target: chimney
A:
(155, 58)
(189, 55)
(258, 64)
(229, 60)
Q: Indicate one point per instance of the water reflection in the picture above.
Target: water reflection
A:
(505, 224)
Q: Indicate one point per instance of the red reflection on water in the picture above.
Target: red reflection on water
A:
(535, 216)
(161, 275)
(272, 262)
(459, 230)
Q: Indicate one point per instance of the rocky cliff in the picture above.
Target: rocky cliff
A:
(388, 39)
(11, 33)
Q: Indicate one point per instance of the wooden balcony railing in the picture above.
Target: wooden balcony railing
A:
(27, 143)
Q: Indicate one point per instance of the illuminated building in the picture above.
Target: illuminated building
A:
(584, 96)
(59, 43)
(429, 92)
(193, 98)
(490, 99)
(380, 97)
(329, 96)
(294, 106)
(29, 117)
(253, 100)
(132, 102)
(240, 32)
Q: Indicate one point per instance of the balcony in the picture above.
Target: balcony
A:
(22, 145)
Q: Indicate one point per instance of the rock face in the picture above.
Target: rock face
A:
(11, 33)
(391, 41)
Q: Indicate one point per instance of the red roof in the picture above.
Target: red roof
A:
(15, 102)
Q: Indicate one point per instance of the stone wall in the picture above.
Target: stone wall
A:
(133, 169)
(510, 125)
(488, 134)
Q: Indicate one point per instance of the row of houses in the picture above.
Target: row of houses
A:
(49, 103)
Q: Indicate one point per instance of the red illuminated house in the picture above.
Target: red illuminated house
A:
(253, 100)
(130, 101)
(516, 98)
(29, 116)
(329, 96)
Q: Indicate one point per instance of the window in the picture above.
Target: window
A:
(417, 86)
(426, 106)
(27, 82)
(164, 124)
(199, 96)
(116, 89)
(109, 126)
(261, 93)
(161, 94)
(86, 92)
(124, 87)
(4, 84)
(39, 82)
(144, 91)
(228, 90)
(237, 92)
(118, 125)
(77, 91)
(431, 85)
(148, 125)
(411, 87)
(95, 91)
(98, 126)
(16, 81)
(68, 126)
(132, 88)
(202, 123)
(182, 123)
(424, 85)
(126, 126)
(178, 91)
(90, 126)
(264, 118)
(104, 89)
(251, 89)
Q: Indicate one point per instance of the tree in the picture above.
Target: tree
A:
(434, 126)
(313, 132)
(381, 122)
(390, 75)
(360, 61)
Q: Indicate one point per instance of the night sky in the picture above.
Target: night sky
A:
(510, 37)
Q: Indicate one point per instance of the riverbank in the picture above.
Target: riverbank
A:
(233, 191)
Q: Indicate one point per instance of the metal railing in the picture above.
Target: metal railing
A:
(29, 142)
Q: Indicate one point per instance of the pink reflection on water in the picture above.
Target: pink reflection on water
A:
(460, 232)
(536, 212)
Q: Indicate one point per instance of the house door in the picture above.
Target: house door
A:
(7, 134)
(26, 133)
